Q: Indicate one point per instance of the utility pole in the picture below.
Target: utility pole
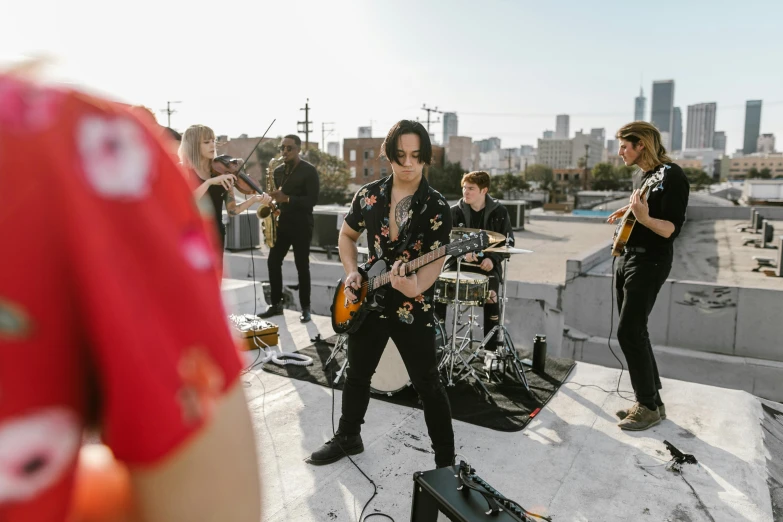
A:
(429, 110)
(584, 180)
(306, 122)
(169, 111)
(323, 134)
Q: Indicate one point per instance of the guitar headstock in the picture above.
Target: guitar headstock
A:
(472, 242)
(655, 178)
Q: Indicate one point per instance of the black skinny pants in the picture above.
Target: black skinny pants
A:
(298, 235)
(416, 344)
(638, 279)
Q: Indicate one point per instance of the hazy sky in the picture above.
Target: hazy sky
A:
(506, 67)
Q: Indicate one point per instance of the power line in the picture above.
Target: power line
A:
(323, 133)
(429, 110)
(169, 111)
(306, 122)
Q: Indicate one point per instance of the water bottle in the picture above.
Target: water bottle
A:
(539, 353)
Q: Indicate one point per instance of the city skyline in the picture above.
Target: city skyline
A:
(503, 76)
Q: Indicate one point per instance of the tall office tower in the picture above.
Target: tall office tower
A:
(701, 125)
(562, 126)
(640, 106)
(752, 125)
(677, 129)
(449, 126)
(662, 112)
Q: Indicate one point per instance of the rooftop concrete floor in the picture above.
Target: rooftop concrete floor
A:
(571, 462)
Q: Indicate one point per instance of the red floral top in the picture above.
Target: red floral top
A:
(108, 276)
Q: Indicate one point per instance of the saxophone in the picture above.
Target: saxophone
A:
(269, 214)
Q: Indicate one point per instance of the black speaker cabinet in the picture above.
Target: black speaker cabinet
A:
(436, 491)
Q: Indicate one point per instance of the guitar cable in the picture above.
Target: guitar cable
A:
(374, 486)
(617, 390)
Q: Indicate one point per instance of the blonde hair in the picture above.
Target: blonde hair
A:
(190, 148)
(653, 153)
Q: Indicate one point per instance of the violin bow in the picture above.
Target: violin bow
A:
(242, 173)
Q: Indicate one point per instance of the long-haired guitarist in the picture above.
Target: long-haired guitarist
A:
(645, 263)
(405, 219)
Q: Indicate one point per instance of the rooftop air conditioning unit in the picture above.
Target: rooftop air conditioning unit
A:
(243, 231)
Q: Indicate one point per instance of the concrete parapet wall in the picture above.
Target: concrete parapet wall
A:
(740, 213)
(725, 325)
(757, 376)
(693, 315)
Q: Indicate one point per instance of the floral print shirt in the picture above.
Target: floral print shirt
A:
(427, 227)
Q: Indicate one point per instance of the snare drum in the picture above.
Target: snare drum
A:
(473, 288)
(391, 376)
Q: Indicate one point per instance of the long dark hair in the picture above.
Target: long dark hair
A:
(400, 128)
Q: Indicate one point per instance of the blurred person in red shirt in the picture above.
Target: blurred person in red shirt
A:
(111, 317)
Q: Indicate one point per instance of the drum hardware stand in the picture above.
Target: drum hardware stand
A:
(341, 344)
(451, 354)
(506, 352)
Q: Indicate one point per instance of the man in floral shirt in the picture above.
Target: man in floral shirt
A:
(405, 218)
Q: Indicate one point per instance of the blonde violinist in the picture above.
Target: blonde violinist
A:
(196, 153)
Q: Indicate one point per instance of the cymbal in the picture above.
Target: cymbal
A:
(494, 237)
(508, 250)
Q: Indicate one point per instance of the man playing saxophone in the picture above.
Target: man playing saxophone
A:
(296, 194)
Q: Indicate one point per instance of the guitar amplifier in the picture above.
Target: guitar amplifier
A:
(256, 332)
(442, 490)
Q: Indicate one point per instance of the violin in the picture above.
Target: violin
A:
(225, 164)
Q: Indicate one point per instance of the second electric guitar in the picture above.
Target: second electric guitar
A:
(624, 228)
(346, 318)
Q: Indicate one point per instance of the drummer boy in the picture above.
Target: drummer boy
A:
(478, 210)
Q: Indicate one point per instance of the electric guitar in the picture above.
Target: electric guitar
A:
(347, 318)
(622, 233)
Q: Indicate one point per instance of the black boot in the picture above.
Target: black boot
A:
(275, 309)
(305, 317)
(339, 446)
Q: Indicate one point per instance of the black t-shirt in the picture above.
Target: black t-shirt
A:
(427, 228)
(477, 217)
(301, 185)
(667, 200)
(216, 195)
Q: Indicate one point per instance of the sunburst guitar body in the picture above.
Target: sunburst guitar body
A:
(348, 316)
(622, 233)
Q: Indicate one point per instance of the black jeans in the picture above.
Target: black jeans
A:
(416, 344)
(638, 280)
(290, 234)
(491, 310)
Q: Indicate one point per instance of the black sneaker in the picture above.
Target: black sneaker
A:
(336, 448)
(305, 317)
(276, 309)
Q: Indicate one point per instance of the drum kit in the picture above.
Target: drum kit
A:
(462, 291)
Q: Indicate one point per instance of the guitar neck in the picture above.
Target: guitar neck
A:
(628, 213)
(385, 278)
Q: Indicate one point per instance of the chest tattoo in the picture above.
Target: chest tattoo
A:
(401, 211)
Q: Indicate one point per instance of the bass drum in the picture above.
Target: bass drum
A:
(391, 376)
